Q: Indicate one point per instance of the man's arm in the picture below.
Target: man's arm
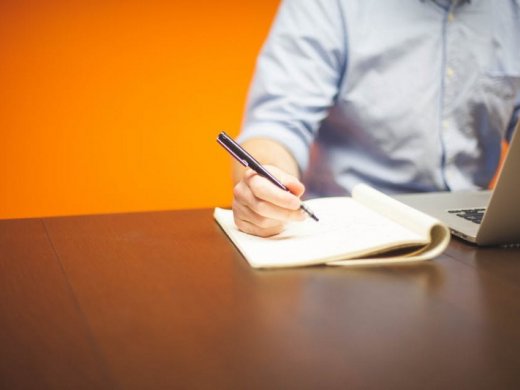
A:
(296, 81)
(297, 77)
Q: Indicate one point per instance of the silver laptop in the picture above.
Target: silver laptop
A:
(481, 217)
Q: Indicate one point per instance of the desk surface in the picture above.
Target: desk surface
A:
(162, 300)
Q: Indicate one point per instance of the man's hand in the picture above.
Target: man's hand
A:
(263, 209)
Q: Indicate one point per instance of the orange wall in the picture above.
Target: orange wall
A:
(110, 106)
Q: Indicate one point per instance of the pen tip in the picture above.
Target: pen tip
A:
(309, 212)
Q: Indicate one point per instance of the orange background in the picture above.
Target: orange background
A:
(111, 106)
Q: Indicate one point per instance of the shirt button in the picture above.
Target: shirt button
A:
(450, 72)
(445, 124)
(451, 17)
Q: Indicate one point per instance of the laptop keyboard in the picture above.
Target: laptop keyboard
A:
(474, 215)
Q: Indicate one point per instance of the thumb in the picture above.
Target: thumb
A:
(294, 185)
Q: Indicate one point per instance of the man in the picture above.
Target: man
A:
(405, 95)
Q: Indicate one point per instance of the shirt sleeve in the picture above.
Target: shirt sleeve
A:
(297, 75)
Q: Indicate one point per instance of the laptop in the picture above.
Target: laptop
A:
(480, 217)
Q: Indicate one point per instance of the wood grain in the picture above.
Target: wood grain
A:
(168, 302)
(44, 339)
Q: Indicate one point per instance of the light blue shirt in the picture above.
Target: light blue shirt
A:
(405, 95)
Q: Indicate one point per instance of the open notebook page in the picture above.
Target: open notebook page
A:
(346, 229)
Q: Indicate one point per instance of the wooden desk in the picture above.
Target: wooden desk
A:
(164, 300)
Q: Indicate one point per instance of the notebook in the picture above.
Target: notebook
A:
(481, 217)
(368, 228)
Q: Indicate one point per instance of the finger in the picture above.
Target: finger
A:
(249, 228)
(258, 208)
(291, 182)
(263, 189)
(250, 222)
(245, 213)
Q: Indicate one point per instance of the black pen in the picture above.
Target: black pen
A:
(247, 160)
